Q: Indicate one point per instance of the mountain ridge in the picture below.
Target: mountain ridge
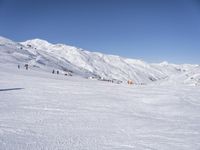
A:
(47, 56)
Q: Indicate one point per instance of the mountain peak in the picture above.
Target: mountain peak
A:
(37, 42)
(4, 40)
(164, 63)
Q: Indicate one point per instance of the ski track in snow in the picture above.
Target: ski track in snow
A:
(55, 112)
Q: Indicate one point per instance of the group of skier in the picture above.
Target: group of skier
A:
(26, 66)
(57, 72)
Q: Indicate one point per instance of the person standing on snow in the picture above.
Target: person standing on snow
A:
(26, 66)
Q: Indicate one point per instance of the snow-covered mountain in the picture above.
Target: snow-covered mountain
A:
(40, 54)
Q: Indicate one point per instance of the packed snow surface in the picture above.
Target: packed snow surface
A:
(44, 111)
(67, 111)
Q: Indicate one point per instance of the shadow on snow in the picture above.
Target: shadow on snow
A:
(11, 89)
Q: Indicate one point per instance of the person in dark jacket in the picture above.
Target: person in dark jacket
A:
(26, 66)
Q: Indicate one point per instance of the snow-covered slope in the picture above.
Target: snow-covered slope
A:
(42, 111)
(43, 55)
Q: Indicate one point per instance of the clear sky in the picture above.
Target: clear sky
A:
(151, 30)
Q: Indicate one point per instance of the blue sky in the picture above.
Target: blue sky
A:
(151, 30)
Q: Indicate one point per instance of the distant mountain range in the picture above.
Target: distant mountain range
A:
(44, 56)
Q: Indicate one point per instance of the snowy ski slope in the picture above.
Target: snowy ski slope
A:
(44, 111)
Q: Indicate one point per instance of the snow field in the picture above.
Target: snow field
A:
(58, 112)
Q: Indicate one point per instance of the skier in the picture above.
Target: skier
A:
(57, 72)
(26, 66)
(18, 66)
(53, 71)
